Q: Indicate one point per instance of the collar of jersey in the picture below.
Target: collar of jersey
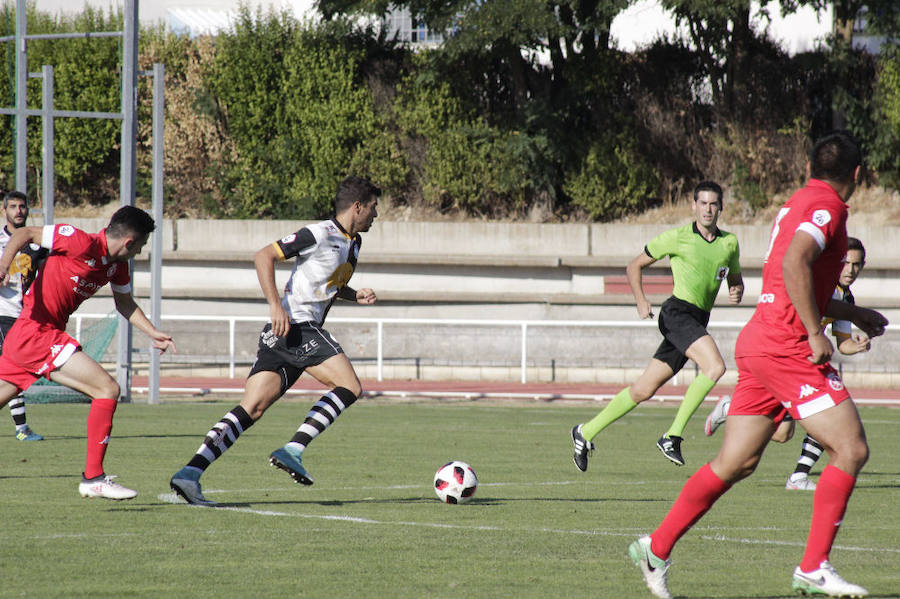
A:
(342, 230)
(104, 258)
(697, 232)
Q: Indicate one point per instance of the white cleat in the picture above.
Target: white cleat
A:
(717, 417)
(653, 569)
(825, 581)
(104, 486)
(800, 482)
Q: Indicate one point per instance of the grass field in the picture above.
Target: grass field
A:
(371, 526)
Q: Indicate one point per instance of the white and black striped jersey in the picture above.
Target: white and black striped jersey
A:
(21, 274)
(325, 260)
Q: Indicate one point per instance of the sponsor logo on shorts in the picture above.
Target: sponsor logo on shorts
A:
(268, 338)
(834, 381)
(806, 391)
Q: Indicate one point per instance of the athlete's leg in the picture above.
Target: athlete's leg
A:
(653, 377)
(839, 430)
(338, 375)
(784, 432)
(745, 439)
(706, 354)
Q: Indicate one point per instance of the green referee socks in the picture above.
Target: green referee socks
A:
(693, 397)
(617, 407)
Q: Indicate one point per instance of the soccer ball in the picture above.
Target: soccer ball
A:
(455, 482)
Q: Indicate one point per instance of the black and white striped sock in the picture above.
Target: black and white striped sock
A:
(808, 455)
(221, 437)
(17, 409)
(322, 415)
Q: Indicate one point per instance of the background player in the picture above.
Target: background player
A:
(702, 256)
(22, 272)
(783, 366)
(78, 265)
(295, 341)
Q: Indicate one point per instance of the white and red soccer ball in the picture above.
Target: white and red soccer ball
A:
(455, 482)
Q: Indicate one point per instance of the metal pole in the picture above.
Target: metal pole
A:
(524, 353)
(379, 360)
(128, 169)
(48, 162)
(21, 97)
(159, 79)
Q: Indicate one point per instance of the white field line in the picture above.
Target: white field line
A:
(172, 498)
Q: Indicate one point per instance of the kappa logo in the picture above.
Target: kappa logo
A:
(806, 391)
(55, 349)
(91, 262)
(834, 381)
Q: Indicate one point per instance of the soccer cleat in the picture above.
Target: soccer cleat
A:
(825, 581)
(186, 484)
(104, 486)
(26, 434)
(716, 418)
(652, 568)
(800, 482)
(583, 448)
(671, 448)
(291, 461)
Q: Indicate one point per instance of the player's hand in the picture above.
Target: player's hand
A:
(162, 342)
(365, 296)
(862, 343)
(4, 278)
(870, 322)
(735, 294)
(281, 322)
(821, 347)
(645, 310)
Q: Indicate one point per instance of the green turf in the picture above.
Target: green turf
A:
(371, 526)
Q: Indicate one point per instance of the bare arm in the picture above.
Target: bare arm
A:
(265, 260)
(128, 308)
(735, 288)
(19, 239)
(798, 282)
(634, 272)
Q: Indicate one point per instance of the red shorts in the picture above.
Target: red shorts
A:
(773, 387)
(32, 350)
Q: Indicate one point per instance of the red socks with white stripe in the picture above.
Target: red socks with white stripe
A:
(829, 504)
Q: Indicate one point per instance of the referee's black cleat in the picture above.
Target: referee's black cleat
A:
(671, 448)
(582, 448)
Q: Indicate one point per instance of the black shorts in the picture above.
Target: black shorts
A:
(6, 323)
(306, 344)
(681, 323)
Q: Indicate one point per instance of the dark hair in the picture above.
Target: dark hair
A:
(129, 219)
(352, 190)
(708, 186)
(14, 195)
(855, 244)
(835, 157)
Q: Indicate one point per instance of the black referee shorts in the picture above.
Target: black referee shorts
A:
(681, 323)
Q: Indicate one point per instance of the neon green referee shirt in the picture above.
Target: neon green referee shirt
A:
(698, 266)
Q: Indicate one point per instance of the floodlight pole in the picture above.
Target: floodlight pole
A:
(21, 97)
(156, 248)
(128, 172)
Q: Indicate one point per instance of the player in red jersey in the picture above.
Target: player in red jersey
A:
(79, 264)
(782, 357)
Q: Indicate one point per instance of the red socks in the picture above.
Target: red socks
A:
(99, 425)
(829, 504)
(697, 495)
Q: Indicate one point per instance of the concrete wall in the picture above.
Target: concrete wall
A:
(497, 262)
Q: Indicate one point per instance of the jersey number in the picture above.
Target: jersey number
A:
(776, 228)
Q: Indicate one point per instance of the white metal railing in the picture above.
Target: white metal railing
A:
(522, 325)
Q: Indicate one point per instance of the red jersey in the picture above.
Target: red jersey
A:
(775, 328)
(76, 269)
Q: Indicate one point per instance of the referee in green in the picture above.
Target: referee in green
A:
(701, 256)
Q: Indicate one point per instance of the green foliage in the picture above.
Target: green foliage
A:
(884, 154)
(613, 180)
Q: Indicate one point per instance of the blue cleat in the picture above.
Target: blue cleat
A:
(291, 461)
(26, 434)
(186, 484)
